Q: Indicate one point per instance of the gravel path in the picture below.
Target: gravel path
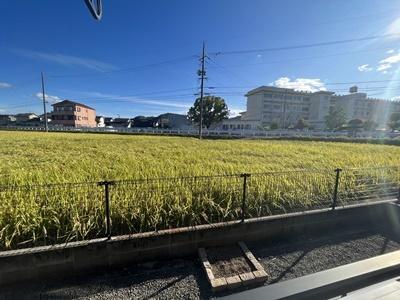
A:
(177, 279)
(284, 262)
(184, 279)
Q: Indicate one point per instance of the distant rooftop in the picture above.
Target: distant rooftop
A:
(265, 88)
(72, 103)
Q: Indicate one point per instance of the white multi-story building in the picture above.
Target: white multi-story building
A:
(267, 105)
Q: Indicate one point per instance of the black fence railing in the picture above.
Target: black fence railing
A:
(33, 215)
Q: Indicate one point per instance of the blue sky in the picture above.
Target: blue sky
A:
(142, 58)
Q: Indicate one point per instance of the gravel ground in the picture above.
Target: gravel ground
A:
(289, 261)
(184, 279)
(177, 279)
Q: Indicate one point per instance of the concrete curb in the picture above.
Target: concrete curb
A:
(330, 283)
(84, 257)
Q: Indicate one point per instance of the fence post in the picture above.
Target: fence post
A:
(107, 185)
(335, 191)
(244, 196)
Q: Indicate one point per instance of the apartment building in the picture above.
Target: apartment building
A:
(72, 114)
(269, 105)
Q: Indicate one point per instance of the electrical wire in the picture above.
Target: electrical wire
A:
(130, 69)
(311, 45)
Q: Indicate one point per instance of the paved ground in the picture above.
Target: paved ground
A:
(184, 279)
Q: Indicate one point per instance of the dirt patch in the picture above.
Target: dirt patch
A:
(228, 261)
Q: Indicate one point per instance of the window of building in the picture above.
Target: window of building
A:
(267, 95)
(305, 109)
(268, 106)
(277, 107)
(306, 99)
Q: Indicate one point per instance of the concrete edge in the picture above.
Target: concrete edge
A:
(166, 232)
(317, 285)
(95, 255)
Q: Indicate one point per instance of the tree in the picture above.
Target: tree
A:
(336, 118)
(274, 126)
(394, 121)
(370, 125)
(214, 111)
(355, 125)
(301, 124)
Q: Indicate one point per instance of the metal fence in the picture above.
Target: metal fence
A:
(54, 213)
(233, 133)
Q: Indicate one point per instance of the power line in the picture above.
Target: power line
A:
(312, 45)
(307, 58)
(130, 69)
(231, 73)
(325, 83)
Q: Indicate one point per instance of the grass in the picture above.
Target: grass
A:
(45, 215)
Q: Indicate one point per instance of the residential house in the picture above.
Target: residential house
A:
(100, 121)
(23, 117)
(118, 122)
(121, 123)
(173, 121)
(73, 114)
(144, 122)
(7, 120)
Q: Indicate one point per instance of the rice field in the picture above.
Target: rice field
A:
(33, 214)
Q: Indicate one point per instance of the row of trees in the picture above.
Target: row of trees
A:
(215, 110)
(336, 119)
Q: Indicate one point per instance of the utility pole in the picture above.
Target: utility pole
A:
(202, 74)
(44, 105)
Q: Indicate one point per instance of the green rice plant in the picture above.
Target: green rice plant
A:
(38, 206)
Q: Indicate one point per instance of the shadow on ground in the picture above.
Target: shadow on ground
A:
(184, 278)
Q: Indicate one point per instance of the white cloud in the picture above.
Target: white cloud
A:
(5, 85)
(390, 51)
(301, 84)
(235, 112)
(67, 60)
(383, 67)
(394, 29)
(49, 98)
(388, 63)
(391, 59)
(365, 68)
